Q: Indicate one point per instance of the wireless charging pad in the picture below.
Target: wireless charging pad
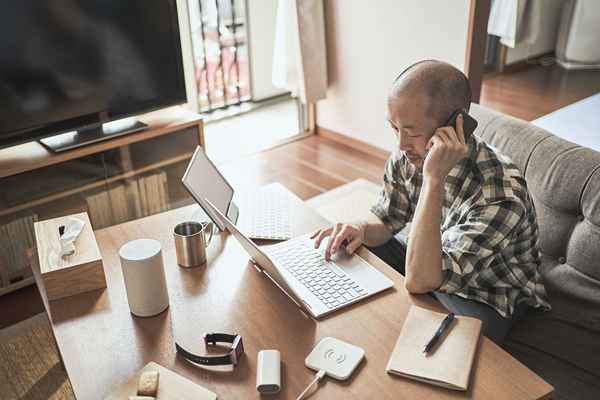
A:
(337, 358)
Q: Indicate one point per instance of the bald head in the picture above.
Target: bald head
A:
(444, 88)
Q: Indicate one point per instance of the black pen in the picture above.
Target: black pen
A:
(440, 331)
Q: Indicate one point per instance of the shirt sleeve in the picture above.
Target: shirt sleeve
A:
(471, 251)
(393, 206)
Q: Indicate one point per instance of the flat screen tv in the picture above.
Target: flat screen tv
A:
(70, 66)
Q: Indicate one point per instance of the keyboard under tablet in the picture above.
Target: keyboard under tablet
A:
(266, 215)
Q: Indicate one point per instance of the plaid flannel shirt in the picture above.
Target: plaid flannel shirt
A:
(489, 227)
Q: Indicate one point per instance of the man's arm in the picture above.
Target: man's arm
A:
(387, 217)
(376, 232)
(423, 266)
(424, 256)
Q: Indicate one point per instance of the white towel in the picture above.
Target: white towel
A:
(503, 20)
(516, 21)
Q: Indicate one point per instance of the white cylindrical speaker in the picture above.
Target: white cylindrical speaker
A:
(144, 275)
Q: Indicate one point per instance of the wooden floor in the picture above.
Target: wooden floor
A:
(536, 90)
(307, 167)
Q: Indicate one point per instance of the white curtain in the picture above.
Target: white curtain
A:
(299, 56)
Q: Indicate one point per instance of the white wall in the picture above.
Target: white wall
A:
(261, 16)
(369, 43)
(546, 41)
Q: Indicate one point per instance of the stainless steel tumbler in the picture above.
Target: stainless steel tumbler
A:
(191, 240)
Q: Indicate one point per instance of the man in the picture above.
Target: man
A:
(473, 237)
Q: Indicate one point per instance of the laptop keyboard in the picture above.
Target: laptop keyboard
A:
(268, 216)
(323, 278)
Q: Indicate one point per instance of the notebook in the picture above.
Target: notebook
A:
(449, 363)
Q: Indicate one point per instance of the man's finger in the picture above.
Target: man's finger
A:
(434, 141)
(442, 135)
(323, 233)
(454, 141)
(331, 239)
(315, 233)
(353, 246)
(339, 238)
(453, 137)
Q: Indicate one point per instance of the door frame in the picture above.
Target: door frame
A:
(479, 12)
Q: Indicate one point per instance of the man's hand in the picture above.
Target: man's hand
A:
(447, 148)
(352, 235)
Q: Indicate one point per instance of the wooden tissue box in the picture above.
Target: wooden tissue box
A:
(66, 276)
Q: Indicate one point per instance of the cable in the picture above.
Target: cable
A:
(318, 377)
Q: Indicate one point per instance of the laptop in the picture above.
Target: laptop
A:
(262, 214)
(317, 286)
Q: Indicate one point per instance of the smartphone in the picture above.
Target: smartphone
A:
(469, 123)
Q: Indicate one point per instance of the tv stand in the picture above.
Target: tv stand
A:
(100, 178)
(72, 140)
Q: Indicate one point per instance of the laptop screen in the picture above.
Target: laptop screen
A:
(204, 181)
(262, 259)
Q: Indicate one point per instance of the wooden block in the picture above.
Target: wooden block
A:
(148, 384)
(66, 276)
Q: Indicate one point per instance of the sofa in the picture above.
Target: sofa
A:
(561, 345)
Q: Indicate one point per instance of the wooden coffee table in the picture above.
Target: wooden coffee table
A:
(102, 344)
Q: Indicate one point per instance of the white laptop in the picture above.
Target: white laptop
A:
(317, 286)
(262, 214)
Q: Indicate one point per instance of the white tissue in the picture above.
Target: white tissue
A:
(73, 228)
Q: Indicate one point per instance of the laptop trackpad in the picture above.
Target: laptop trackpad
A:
(368, 276)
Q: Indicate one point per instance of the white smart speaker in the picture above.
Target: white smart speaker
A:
(144, 276)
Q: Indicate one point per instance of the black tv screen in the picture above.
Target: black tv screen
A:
(65, 64)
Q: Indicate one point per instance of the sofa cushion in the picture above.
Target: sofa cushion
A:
(561, 345)
(564, 180)
(511, 136)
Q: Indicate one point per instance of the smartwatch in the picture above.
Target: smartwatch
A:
(231, 358)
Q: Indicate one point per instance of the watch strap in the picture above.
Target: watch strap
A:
(204, 360)
(214, 338)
